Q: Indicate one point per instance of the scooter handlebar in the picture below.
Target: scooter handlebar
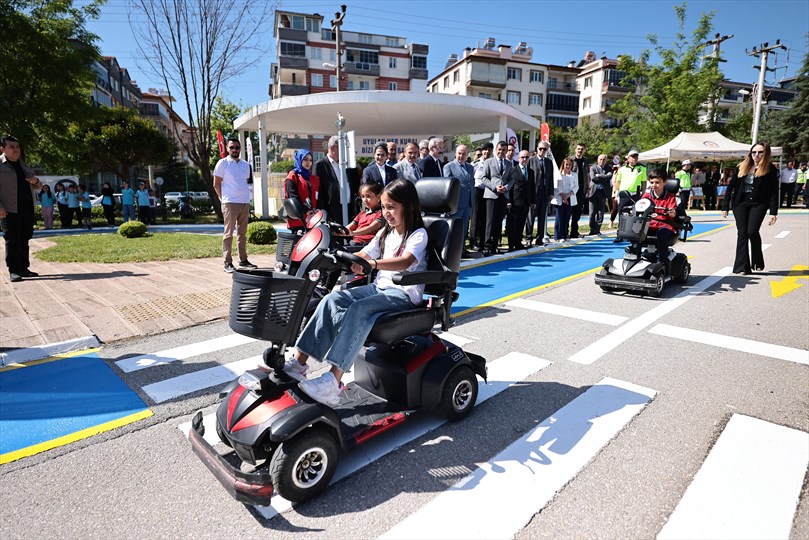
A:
(350, 258)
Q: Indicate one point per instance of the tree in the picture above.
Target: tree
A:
(222, 116)
(560, 147)
(46, 79)
(739, 125)
(120, 140)
(789, 128)
(194, 47)
(669, 95)
(597, 138)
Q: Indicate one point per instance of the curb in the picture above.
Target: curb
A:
(18, 356)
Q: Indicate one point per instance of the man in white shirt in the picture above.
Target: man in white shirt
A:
(230, 181)
(789, 179)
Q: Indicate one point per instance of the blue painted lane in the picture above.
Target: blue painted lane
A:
(55, 402)
(481, 285)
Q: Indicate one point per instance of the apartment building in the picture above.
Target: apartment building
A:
(157, 106)
(599, 83)
(114, 87)
(737, 95)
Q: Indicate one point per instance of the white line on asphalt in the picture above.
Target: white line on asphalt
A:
(27, 354)
(729, 342)
(564, 311)
(199, 380)
(503, 373)
(782, 234)
(596, 350)
(748, 486)
(135, 363)
(455, 339)
(531, 471)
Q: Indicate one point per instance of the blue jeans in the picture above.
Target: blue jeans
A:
(128, 212)
(562, 224)
(343, 320)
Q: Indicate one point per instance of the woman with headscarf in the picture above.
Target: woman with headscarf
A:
(302, 186)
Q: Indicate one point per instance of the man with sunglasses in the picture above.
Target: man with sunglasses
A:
(230, 181)
(542, 166)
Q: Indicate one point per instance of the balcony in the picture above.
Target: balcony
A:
(562, 87)
(362, 68)
(418, 73)
(417, 48)
(293, 62)
(288, 34)
(294, 90)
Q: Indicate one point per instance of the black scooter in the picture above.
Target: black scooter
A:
(293, 441)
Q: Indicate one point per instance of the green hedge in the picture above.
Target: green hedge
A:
(261, 232)
(132, 229)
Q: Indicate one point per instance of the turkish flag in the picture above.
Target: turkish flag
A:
(220, 140)
(545, 133)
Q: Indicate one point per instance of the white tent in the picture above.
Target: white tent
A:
(711, 146)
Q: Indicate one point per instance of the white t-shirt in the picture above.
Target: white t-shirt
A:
(234, 174)
(415, 244)
(789, 176)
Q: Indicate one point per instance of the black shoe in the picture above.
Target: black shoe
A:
(28, 273)
(14, 278)
(229, 268)
(246, 264)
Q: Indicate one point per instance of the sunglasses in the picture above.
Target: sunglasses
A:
(756, 151)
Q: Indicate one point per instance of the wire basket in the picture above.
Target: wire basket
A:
(286, 243)
(264, 304)
(632, 228)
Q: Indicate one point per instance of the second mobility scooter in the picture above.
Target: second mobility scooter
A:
(639, 269)
(292, 441)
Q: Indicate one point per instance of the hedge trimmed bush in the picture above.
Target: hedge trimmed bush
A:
(132, 229)
(261, 232)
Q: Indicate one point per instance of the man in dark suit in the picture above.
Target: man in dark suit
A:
(496, 176)
(328, 171)
(463, 171)
(520, 197)
(379, 171)
(583, 172)
(430, 164)
(542, 167)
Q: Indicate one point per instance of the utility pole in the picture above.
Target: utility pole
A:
(761, 52)
(716, 42)
(336, 23)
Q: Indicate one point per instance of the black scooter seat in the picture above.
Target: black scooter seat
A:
(394, 327)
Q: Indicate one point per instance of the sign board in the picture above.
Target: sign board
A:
(158, 181)
(365, 144)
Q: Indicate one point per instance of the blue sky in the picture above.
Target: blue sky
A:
(558, 31)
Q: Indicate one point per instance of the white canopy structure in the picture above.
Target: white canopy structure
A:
(377, 112)
(711, 146)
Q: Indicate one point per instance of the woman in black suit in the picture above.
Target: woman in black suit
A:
(752, 191)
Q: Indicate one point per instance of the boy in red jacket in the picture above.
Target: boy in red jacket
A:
(662, 225)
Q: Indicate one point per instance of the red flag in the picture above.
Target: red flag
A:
(545, 133)
(221, 142)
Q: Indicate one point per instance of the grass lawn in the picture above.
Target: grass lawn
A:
(114, 248)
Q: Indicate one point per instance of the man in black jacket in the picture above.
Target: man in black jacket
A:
(600, 182)
(521, 197)
(542, 167)
(328, 171)
(582, 168)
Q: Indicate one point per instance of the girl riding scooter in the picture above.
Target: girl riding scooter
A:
(344, 319)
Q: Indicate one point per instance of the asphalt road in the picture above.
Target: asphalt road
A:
(144, 481)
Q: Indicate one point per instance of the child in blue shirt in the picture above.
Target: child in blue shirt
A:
(143, 203)
(72, 206)
(86, 208)
(127, 201)
(47, 200)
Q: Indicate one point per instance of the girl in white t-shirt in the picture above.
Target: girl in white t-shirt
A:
(343, 319)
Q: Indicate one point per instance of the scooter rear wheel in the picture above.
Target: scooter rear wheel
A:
(302, 467)
(459, 394)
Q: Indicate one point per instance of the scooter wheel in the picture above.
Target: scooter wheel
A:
(685, 274)
(302, 467)
(459, 394)
(659, 282)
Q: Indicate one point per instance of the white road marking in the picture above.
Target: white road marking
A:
(530, 471)
(736, 344)
(596, 350)
(748, 486)
(455, 339)
(782, 234)
(564, 311)
(136, 363)
(199, 380)
(503, 372)
(27, 354)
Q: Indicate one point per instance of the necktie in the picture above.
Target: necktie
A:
(502, 167)
(438, 164)
(416, 171)
(522, 169)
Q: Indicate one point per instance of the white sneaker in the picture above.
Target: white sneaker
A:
(324, 389)
(295, 369)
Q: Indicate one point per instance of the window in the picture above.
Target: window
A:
(552, 82)
(312, 25)
(456, 76)
(563, 121)
(298, 22)
(328, 35)
(446, 83)
(515, 74)
(317, 79)
(365, 85)
(513, 98)
(333, 81)
(315, 53)
(293, 49)
(393, 86)
(588, 82)
(332, 55)
(391, 42)
(350, 85)
(419, 62)
(363, 57)
(392, 62)
(535, 99)
(366, 38)
(537, 76)
(563, 102)
(434, 88)
(484, 95)
(586, 103)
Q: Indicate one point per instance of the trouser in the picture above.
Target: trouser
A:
(236, 216)
(128, 211)
(463, 215)
(478, 220)
(538, 214)
(47, 216)
(64, 216)
(18, 228)
(514, 225)
(343, 320)
(598, 203)
(576, 212)
(563, 213)
(71, 213)
(109, 213)
(87, 217)
(664, 237)
(749, 216)
(709, 196)
(685, 195)
(495, 211)
(143, 214)
(787, 193)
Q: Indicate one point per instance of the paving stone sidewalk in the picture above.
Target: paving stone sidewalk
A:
(111, 301)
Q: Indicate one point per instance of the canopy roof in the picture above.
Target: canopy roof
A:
(711, 146)
(379, 112)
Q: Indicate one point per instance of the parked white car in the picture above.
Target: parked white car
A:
(173, 196)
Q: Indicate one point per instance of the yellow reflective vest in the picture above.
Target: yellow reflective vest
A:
(684, 178)
(631, 178)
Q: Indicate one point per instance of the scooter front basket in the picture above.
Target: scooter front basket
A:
(632, 228)
(263, 304)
